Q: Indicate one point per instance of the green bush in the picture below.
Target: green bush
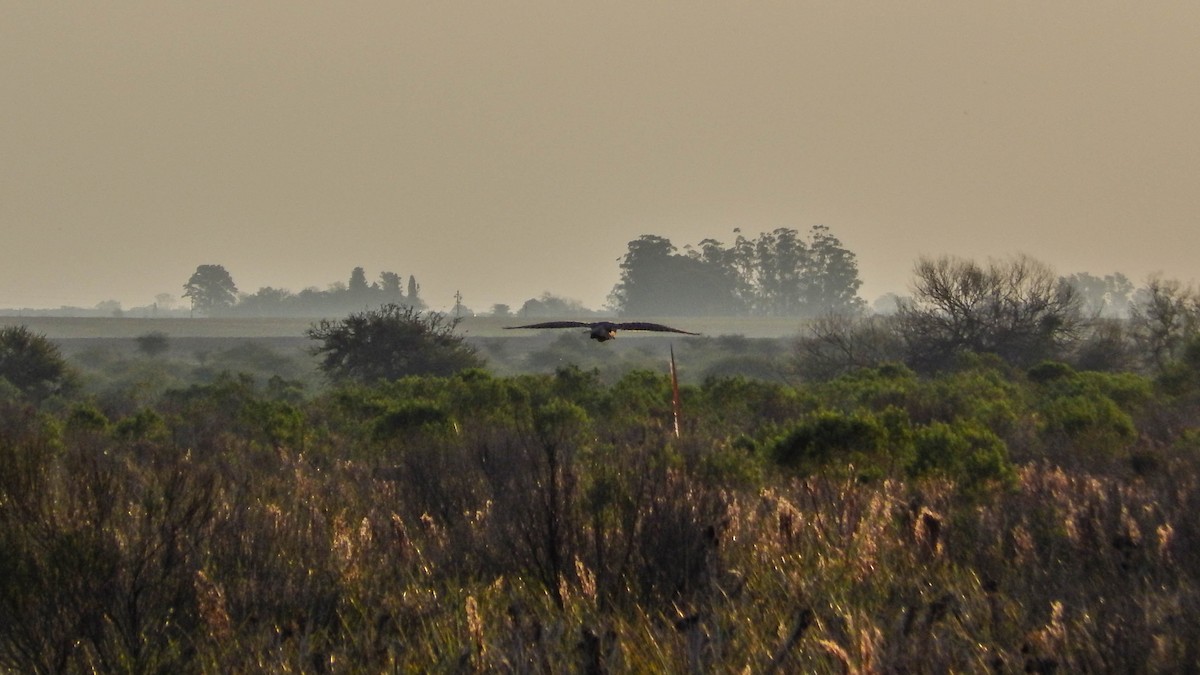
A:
(829, 437)
(965, 452)
(86, 418)
(1079, 412)
(412, 417)
(872, 388)
(1087, 423)
(738, 406)
(154, 343)
(33, 364)
(986, 395)
(145, 424)
(1048, 371)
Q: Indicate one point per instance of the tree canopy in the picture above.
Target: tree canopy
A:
(389, 343)
(211, 289)
(1016, 309)
(779, 273)
(545, 306)
(32, 363)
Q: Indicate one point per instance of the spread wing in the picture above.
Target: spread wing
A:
(555, 324)
(642, 325)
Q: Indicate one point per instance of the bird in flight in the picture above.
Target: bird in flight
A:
(606, 330)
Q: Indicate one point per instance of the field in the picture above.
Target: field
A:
(219, 507)
(483, 326)
(726, 346)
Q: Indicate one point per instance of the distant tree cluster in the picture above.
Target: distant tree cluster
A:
(1110, 296)
(1017, 311)
(549, 305)
(212, 291)
(779, 273)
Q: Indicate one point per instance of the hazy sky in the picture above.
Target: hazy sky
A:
(505, 149)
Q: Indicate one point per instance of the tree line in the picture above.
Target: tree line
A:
(211, 290)
(780, 273)
(777, 274)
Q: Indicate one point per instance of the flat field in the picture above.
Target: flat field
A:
(278, 346)
(67, 328)
(60, 328)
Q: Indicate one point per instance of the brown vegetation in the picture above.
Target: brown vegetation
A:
(555, 524)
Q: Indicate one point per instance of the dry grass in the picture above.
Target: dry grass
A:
(534, 536)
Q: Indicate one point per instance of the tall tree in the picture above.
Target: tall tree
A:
(414, 290)
(830, 283)
(784, 274)
(645, 277)
(780, 260)
(389, 283)
(1164, 320)
(730, 292)
(358, 282)
(211, 289)
(777, 274)
(656, 280)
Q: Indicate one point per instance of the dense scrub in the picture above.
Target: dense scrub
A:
(985, 518)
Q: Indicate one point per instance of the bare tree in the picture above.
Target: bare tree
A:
(1017, 309)
(1165, 316)
(836, 344)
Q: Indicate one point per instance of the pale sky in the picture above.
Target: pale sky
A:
(506, 149)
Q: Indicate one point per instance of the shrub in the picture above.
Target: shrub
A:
(872, 388)
(145, 424)
(733, 406)
(1080, 411)
(86, 418)
(985, 395)
(965, 452)
(1048, 371)
(33, 364)
(835, 345)
(1106, 346)
(1092, 423)
(412, 417)
(827, 437)
(153, 343)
